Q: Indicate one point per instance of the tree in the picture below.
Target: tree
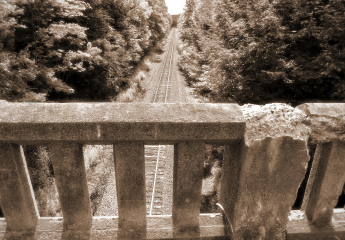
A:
(84, 49)
(263, 51)
(159, 21)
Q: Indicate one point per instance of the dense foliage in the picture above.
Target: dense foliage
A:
(84, 49)
(263, 51)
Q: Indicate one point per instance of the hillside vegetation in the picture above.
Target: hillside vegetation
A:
(263, 51)
(75, 49)
(82, 50)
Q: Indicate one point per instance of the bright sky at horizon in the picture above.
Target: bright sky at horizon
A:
(175, 6)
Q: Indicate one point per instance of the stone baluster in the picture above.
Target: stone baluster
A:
(16, 195)
(188, 166)
(327, 175)
(326, 182)
(230, 181)
(131, 192)
(70, 176)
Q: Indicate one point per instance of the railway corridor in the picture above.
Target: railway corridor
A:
(159, 181)
(164, 86)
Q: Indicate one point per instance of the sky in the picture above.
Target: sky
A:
(175, 6)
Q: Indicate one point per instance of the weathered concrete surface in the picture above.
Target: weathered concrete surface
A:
(274, 120)
(230, 181)
(16, 195)
(261, 176)
(299, 228)
(269, 174)
(131, 191)
(325, 183)
(69, 171)
(326, 120)
(158, 227)
(187, 186)
(102, 122)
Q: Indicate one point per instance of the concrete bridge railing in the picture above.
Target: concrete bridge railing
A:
(264, 163)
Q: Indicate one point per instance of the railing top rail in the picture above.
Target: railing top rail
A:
(102, 122)
(324, 109)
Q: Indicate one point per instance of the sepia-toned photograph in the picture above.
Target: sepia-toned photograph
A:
(172, 119)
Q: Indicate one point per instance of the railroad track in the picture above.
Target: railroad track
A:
(158, 158)
(156, 155)
(164, 85)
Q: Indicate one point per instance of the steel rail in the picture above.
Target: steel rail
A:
(170, 49)
(155, 180)
(171, 58)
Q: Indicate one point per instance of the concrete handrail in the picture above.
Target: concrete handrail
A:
(112, 122)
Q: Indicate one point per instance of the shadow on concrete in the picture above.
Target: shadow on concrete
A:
(31, 235)
(12, 235)
(80, 235)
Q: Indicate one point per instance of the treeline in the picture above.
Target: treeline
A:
(174, 20)
(76, 49)
(262, 51)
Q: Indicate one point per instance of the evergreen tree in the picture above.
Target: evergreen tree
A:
(263, 51)
(85, 49)
(159, 21)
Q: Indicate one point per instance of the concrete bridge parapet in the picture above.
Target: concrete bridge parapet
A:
(265, 161)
